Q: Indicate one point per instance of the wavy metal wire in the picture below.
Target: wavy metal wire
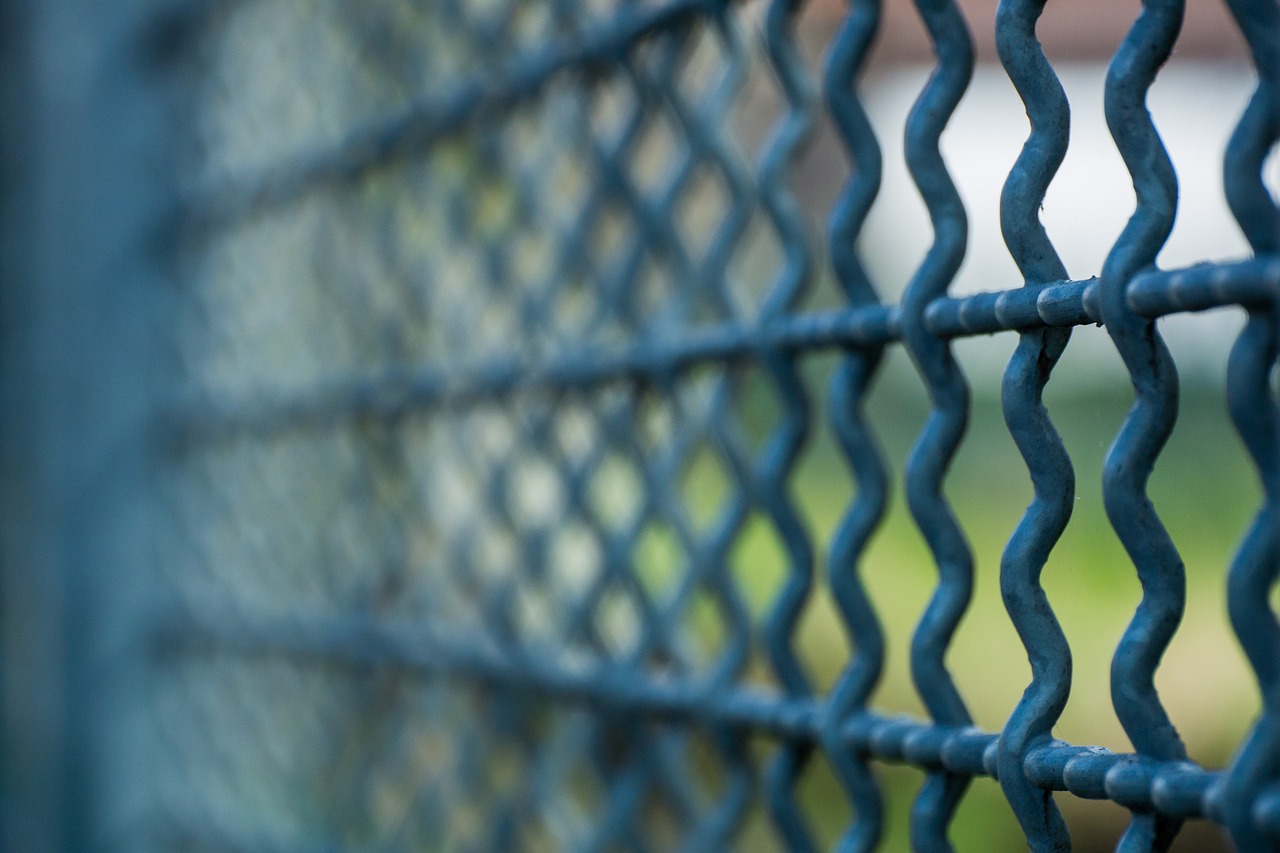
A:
(927, 465)
(1031, 723)
(627, 720)
(782, 449)
(1247, 797)
(849, 385)
(1150, 421)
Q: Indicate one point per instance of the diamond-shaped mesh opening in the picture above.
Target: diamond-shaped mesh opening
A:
(492, 432)
(755, 266)
(497, 322)
(658, 299)
(505, 770)
(496, 557)
(562, 170)
(574, 559)
(460, 274)
(486, 16)
(530, 23)
(822, 801)
(662, 822)
(703, 207)
(615, 107)
(535, 493)
(576, 310)
(758, 831)
(579, 798)
(759, 563)
(577, 434)
(535, 836)
(453, 495)
(655, 153)
(616, 493)
(820, 641)
(709, 64)
(655, 425)
(610, 232)
(757, 408)
(494, 208)
(823, 485)
(537, 617)
(705, 756)
(619, 622)
(704, 629)
(659, 560)
(754, 113)
(705, 486)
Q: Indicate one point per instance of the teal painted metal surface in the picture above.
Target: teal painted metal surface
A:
(621, 697)
(630, 714)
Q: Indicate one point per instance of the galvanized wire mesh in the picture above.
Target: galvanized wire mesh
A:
(462, 473)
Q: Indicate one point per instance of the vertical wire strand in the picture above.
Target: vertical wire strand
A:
(849, 385)
(663, 773)
(1031, 723)
(725, 817)
(783, 446)
(1150, 421)
(930, 458)
(1252, 404)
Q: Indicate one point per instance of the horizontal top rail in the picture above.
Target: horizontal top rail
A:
(1179, 789)
(404, 391)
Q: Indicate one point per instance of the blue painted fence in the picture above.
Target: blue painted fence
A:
(426, 603)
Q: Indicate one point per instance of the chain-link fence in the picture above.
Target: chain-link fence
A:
(455, 503)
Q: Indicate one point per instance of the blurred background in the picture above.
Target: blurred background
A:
(360, 243)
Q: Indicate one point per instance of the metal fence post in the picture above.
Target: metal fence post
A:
(83, 164)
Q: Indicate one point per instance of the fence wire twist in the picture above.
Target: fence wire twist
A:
(403, 595)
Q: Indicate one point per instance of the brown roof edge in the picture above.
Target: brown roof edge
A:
(1071, 30)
